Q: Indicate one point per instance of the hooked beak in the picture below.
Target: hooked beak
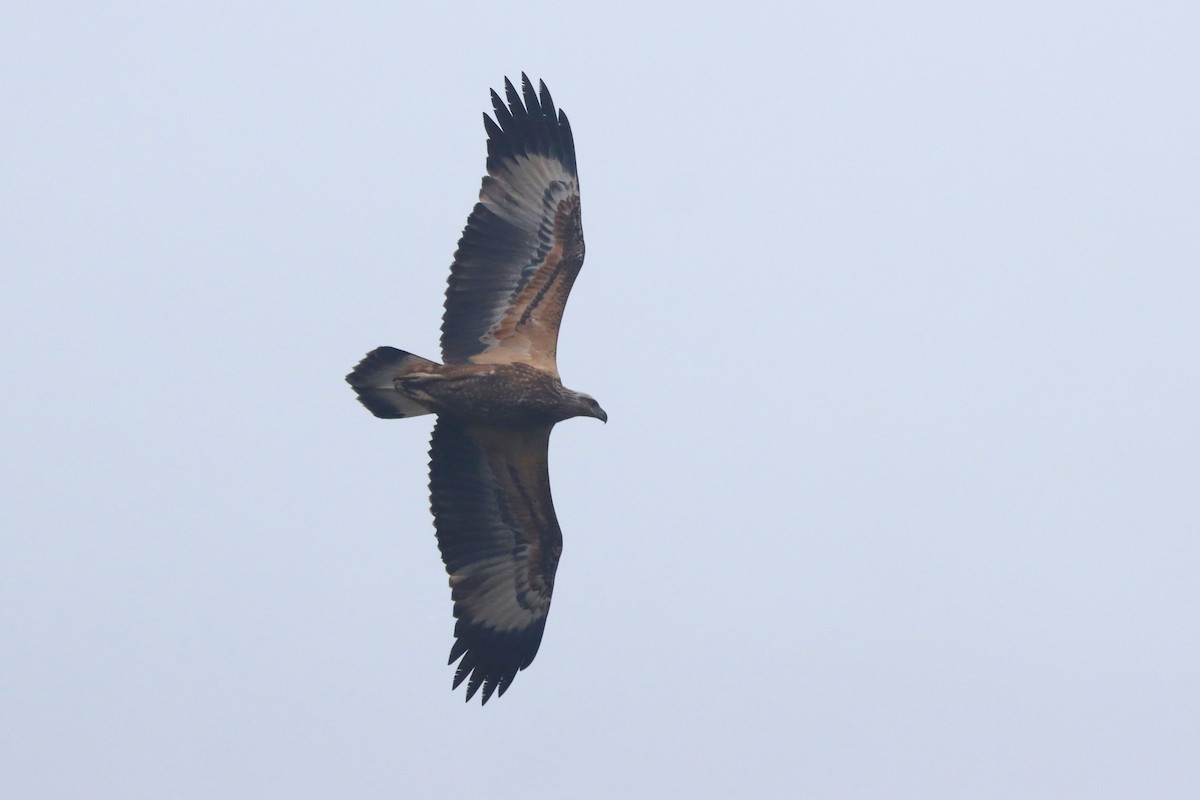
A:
(601, 415)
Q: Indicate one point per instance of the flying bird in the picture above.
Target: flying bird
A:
(498, 393)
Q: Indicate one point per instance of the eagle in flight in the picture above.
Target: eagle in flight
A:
(498, 394)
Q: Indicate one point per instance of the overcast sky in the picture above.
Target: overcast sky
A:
(893, 308)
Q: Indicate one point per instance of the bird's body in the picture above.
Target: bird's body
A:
(498, 394)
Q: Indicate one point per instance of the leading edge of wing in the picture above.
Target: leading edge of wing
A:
(500, 542)
(522, 246)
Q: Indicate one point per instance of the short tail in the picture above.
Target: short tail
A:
(374, 380)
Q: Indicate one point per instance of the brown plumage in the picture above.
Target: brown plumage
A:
(498, 394)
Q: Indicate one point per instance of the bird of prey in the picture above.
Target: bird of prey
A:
(498, 393)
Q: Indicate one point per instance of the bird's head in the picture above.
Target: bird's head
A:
(588, 407)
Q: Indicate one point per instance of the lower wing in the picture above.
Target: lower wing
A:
(500, 541)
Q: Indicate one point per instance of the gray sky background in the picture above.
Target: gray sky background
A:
(893, 308)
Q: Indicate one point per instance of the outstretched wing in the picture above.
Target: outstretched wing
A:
(500, 540)
(523, 244)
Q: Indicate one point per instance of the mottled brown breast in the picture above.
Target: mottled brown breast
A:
(499, 394)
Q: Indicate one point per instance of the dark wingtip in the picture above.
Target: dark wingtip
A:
(528, 123)
(491, 660)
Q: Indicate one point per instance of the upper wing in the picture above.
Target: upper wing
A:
(523, 244)
(490, 492)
